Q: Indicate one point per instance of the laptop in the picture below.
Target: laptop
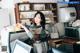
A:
(21, 47)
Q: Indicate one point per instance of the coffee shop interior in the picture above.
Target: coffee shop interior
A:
(39, 26)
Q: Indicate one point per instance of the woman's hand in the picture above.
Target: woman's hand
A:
(22, 26)
(26, 30)
(19, 25)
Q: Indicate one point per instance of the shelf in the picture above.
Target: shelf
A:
(33, 3)
(36, 10)
(54, 16)
(31, 18)
(24, 18)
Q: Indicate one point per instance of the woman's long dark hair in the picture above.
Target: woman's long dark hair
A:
(42, 23)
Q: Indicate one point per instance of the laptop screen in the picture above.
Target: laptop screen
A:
(21, 47)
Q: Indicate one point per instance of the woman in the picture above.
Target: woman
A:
(40, 33)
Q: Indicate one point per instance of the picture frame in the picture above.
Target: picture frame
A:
(24, 7)
(27, 14)
(39, 7)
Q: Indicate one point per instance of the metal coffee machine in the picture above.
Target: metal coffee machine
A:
(67, 15)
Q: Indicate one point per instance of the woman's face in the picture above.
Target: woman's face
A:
(37, 19)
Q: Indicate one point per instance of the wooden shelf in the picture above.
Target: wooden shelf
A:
(35, 10)
(54, 16)
(33, 3)
(24, 18)
(31, 18)
(21, 8)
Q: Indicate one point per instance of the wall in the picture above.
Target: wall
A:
(8, 4)
(4, 18)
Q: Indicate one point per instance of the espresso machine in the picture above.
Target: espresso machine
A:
(67, 15)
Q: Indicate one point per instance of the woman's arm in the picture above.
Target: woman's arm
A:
(27, 31)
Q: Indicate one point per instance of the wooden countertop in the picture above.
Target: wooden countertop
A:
(69, 41)
(54, 42)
